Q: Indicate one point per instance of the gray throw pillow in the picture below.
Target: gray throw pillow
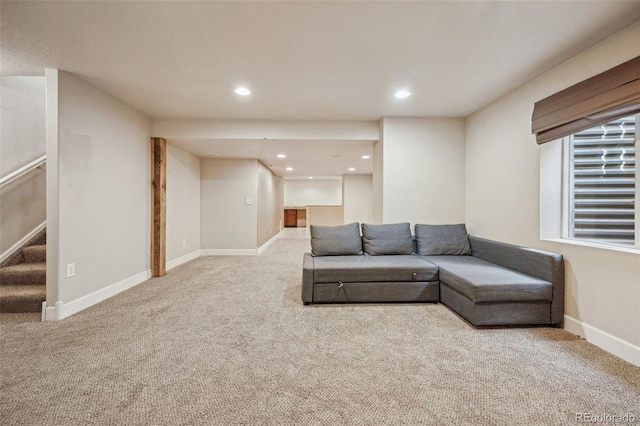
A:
(336, 240)
(387, 239)
(442, 239)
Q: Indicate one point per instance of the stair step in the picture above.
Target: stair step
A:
(35, 254)
(22, 298)
(24, 274)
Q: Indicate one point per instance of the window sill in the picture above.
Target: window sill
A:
(591, 244)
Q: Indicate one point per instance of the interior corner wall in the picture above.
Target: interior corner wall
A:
(104, 187)
(423, 170)
(183, 204)
(228, 221)
(503, 196)
(22, 136)
(377, 178)
(270, 204)
(357, 198)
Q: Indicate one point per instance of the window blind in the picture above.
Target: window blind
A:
(604, 175)
(600, 99)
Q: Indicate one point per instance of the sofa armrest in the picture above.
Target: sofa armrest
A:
(541, 264)
(307, 278)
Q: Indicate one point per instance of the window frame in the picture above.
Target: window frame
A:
(568, 193)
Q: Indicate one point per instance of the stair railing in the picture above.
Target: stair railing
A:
(35, 164)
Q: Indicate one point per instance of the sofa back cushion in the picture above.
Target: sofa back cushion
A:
(442, 239)
(336, 240)
(387, 239)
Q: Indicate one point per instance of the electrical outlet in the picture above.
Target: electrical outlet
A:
(71, 270)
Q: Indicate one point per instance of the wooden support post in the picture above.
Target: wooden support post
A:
(158, 207)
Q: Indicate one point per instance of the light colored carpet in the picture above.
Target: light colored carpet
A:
(226, 340)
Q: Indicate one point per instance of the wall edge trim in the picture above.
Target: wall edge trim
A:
(63, 310)
(183, 259)
(610, 343)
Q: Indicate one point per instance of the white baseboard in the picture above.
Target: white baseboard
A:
(63, 310)
(228, 252)
(240, 252)
(610, 343)
(22, 241)
(268, 243)
(183, 259)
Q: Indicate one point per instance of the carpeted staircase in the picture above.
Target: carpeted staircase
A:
(23, 277)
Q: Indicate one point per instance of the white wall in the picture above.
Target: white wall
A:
(503, 200)
(23, 207)
(22, 133)
(325, 215)
(377, 178)
(226, 221)
(270, 204)
(247, 129)
(183, 204)
(22, 140)
(423, 170)
(100, 197)
(312, 192)
(357, 195)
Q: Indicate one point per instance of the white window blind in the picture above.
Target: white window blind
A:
(602, 173)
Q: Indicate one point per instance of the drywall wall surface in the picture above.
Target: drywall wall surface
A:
(104, 190)
(22, 140)
(247, 129)
(53, 185)
(357, 194)
(377, 178)
(183, 203)
(22, 121)
(23, 207)
(503, 193)
(312, 192)
(228, 204)
(325, 215)
(270, 204)
(423, 170)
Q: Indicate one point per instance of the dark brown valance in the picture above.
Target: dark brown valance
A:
(602, 98)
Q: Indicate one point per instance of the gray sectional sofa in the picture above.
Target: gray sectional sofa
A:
(488, 283)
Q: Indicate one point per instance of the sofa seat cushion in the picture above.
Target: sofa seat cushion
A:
(333, 269)
(485, 282)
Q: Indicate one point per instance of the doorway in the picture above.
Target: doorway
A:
(295, 217)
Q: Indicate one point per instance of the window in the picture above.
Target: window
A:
(601, 183)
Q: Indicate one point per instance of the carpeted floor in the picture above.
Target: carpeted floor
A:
(226, 340)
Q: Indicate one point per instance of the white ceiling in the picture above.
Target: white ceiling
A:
(303, 60)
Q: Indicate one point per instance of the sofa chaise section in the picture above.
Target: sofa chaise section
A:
(503, 284)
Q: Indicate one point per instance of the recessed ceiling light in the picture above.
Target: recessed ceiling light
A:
(243, 91)
(401, 94)
(352, 169)
(310, 177)
(282, 156)
(366, 157)
(289, 169)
